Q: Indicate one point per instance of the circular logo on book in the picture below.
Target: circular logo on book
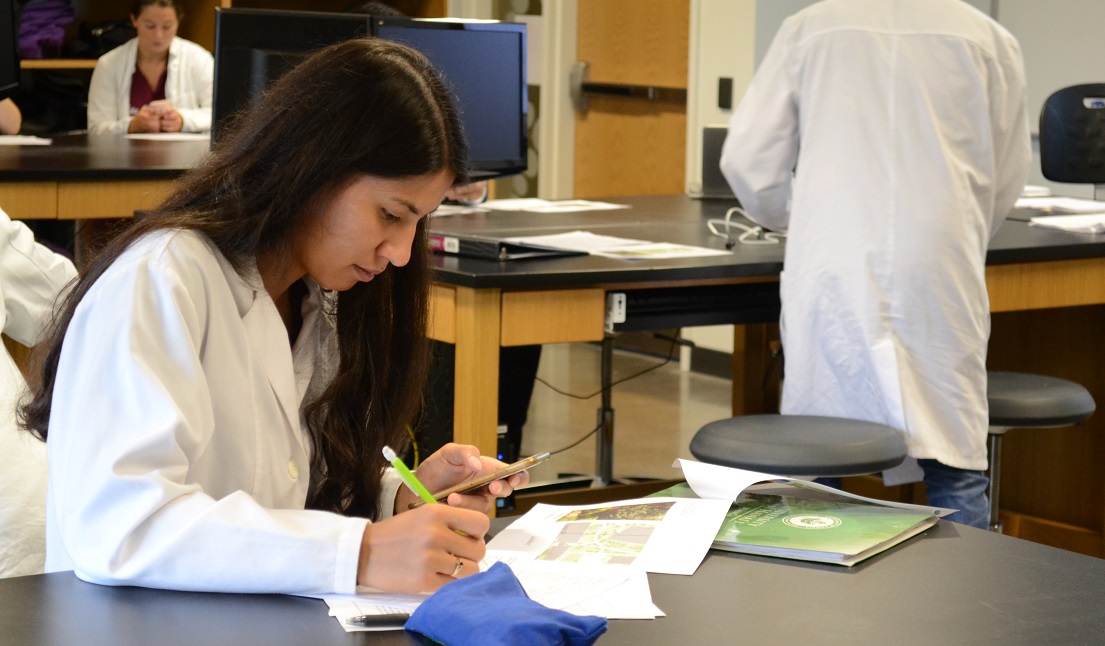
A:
(812, 521)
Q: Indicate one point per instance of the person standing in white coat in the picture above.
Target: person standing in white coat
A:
(219, 384)
(890, 139)
(31, 277)
(155, 82)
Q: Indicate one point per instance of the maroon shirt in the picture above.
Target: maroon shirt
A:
(141, 93)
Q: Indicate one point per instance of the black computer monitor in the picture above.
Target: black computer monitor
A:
(254, 47)
(9, 52)
(484, 64)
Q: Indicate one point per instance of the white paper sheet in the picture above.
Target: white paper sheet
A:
(171, 136)
(614, 592)
(726, 483)
(661, 250)
(1061, 205)
(664, 535)
(446, 210)
(592, 559)
(370, 602)
(632, 599)
(578, 589)
(614, 247)
(23, 140)
(537, 205)
(1032, 190)
(1088, 223)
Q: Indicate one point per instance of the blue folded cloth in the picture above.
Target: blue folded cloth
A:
(492, 609)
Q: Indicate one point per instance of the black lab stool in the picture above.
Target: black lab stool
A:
(1023, 400)
(800, 445)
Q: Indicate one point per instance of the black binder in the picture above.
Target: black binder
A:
(494, 248)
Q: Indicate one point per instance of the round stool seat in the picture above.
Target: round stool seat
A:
(1022, 400)
(800, 445)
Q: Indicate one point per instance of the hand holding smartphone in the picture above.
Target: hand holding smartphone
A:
(160, 107)
(505, 472)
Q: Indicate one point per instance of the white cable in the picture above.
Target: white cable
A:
(750, 235)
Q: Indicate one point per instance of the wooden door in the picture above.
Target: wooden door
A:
(628, 146)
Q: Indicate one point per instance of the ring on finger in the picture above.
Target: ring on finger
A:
(456, 570)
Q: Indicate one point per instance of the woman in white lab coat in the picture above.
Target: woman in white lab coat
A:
(31, 277)
(220, 383)
(155, 82)
(890, 139)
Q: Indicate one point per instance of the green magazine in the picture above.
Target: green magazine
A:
(823, 528)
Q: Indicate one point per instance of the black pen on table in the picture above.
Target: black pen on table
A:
(388, 620)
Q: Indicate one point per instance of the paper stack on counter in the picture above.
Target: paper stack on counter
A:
(1061, 205)
(1086, 223)
(538, 205)
(614, 247)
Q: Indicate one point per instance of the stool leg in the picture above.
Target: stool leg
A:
(995, 481)
(604, 450)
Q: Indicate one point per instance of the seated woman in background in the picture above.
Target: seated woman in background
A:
(155, 82)
(218, 386)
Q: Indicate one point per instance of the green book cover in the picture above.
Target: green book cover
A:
(830, 531)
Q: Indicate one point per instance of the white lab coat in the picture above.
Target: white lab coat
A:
(890, 139)
(178, 456)
(31, 277)
(189, 85)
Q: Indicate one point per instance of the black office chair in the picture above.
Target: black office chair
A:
(1072, 149)
(800, 445)
(1072, 135)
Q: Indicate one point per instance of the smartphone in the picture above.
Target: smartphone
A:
(160, 107)
(509, 470)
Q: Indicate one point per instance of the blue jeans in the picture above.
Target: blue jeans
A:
(951, 488)
(958, 489)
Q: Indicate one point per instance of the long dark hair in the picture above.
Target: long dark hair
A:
(363, 107)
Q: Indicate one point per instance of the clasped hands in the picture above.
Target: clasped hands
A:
(156, 116)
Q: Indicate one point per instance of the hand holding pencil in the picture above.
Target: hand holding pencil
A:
(421, 549)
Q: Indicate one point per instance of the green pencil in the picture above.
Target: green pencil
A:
(409, 478)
